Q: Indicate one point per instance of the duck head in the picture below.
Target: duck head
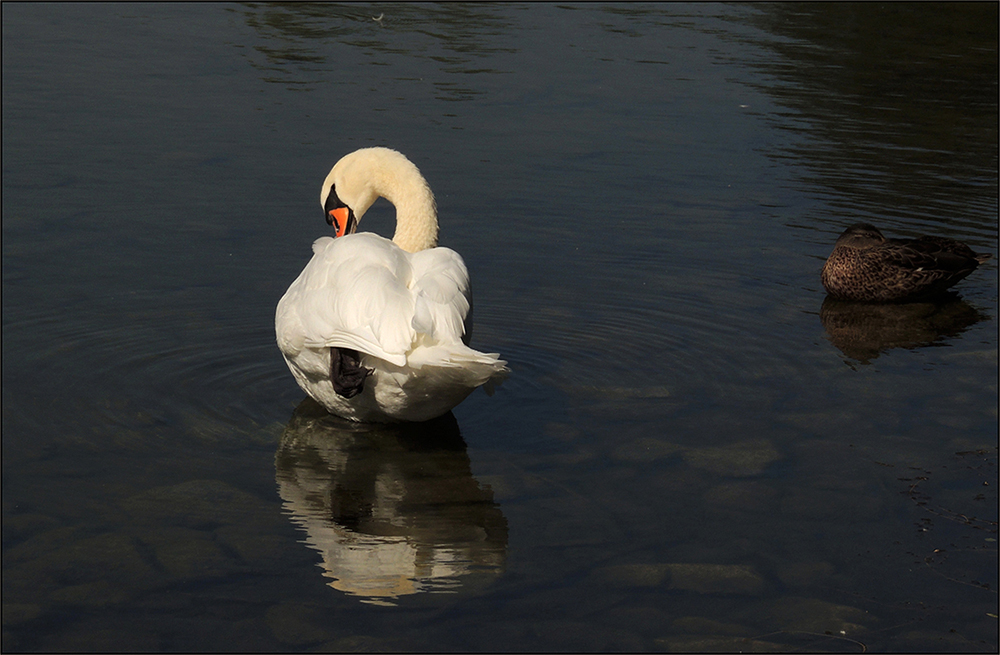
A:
(860, 236)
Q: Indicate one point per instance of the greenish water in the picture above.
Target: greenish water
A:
(694, 450)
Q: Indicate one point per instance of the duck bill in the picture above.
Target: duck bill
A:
(342, 220)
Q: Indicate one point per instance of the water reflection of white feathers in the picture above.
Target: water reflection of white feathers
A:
(392, 509)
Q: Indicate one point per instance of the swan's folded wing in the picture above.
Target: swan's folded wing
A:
(442, 295)
(361, 292)
(357, 298)
(367, 321)
(362, 340)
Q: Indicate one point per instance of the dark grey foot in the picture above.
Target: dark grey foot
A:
(346, 372)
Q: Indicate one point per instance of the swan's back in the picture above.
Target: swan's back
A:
(407, 316)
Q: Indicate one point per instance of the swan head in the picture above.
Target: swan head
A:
(364, 176)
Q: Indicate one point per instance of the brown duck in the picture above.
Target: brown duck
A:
(866, 266)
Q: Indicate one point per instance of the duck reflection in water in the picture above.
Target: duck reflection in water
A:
(863, 331)
(392, 509)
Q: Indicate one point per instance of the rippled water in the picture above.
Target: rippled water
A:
(695, 450)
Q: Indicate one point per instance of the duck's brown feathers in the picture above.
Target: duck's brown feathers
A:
(866, 266)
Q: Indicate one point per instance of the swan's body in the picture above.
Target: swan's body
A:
(378, 330)
(866, 266)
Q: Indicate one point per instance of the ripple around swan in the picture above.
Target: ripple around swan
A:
(634, 365)
(172, 368)
(649, 339)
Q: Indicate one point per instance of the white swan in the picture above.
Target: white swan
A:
(378, 330)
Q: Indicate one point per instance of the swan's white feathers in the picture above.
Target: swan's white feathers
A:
(353, 294)
(441, 285)
(405, 310)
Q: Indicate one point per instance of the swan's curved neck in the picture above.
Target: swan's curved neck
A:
(363, 176)
(416, 212)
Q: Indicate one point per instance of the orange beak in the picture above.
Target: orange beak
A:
(342, 220)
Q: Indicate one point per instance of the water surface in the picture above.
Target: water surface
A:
(695, 450)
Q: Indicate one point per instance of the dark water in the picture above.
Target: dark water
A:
(694, 451)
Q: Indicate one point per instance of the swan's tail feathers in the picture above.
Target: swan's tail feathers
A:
(491, 385)
(461, 362)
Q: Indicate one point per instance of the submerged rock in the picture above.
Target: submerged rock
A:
(804, 574)
(15, 613)
(645, 449)
(716, 578)
(100, 593)
(739, 459)
(742, 495)
(254, 547)
(699, 578)
(187, 554)
(814, 615)
(84, 559)
(712, 644)
(297, 624)
(199, 504)
(703, 626)
(632, 575)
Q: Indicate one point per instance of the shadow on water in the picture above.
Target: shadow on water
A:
(863, 331)
(393, 509)
(878, 122)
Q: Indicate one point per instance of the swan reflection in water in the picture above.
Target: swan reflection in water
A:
(863, 331)
(392, 509)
